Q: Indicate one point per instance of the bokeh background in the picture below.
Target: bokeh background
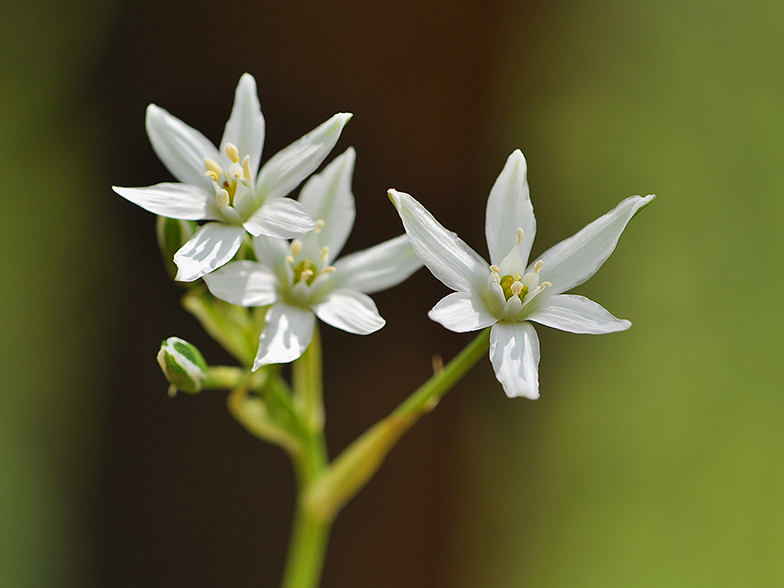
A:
(655, 457)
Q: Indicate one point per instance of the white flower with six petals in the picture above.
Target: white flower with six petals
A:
(507, 294)
(299, 279)
(227, 187)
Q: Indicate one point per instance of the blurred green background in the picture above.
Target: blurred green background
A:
(655, 457)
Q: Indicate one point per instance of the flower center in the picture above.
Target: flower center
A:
(517, 290)
(227, 182)
(305, 271)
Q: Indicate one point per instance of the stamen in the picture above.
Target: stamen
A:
(516, 288)
(324, 254)
(246, 167)
(232, 151)
(222, 198)
(538, 266)
(329, 269)
(296, 247)
(495, 269)
(319, 225)
(213, 166)
(212, 175)
(544, 285)
(520, 233)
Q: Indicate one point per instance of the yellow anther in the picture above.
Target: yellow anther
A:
(232, 151)
(328, 269)
(319, 225)
(495, 269)
(324, 254)
(246, 167)
(222, 198)
(212, 166)
(520, 233)
(306, 273)
(296, 247)
(546, 285)
(212, 175)
(538, 266)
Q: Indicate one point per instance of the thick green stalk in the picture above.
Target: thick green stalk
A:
(310, 533)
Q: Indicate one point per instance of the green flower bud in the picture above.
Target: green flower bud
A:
(183, 365)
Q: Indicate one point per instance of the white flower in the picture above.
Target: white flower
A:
(226, 186)
(299, 279)
(506, 295)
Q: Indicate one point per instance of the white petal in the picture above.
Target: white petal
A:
(327, 196)
(576, 314)
(350, 311)
(514, 352)
(245, 283)
(377, 268)
(245, 127)
(283, 218)
(181, 201)
(461, 312)
(181, 148)
(272, 252)
(287, 333)
(287, 168)
(574, 260)
(509, 208)
(446, 255)
(211, 246)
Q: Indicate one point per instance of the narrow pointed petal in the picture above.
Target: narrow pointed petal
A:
(181, 201)
(509, 208)
(283, 218)
(272, 252)
(290, 166)
(350, 311)
(377, 268)
(245, 127)
(211, 246)
(244, 283)
(461, 312)
(514, 353)
(446, 255)
(287, 332)
(181, 148)
(576, 314)
(572, 261)
(327, 196)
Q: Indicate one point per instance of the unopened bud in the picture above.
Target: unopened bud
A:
(183, 365)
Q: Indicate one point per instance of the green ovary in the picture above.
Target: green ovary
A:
(506, 285)
(307, 268)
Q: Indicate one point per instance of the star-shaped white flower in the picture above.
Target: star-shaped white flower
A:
(226, 186)
(299, 279)
(507, 294)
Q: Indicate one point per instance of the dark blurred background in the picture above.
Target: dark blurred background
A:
(653, 458)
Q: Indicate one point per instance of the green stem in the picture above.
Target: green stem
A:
(428, 394)
(308, 544)
(307, 549)
(356, 464)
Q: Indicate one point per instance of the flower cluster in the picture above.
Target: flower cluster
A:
(295, 272)
(297, 280)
